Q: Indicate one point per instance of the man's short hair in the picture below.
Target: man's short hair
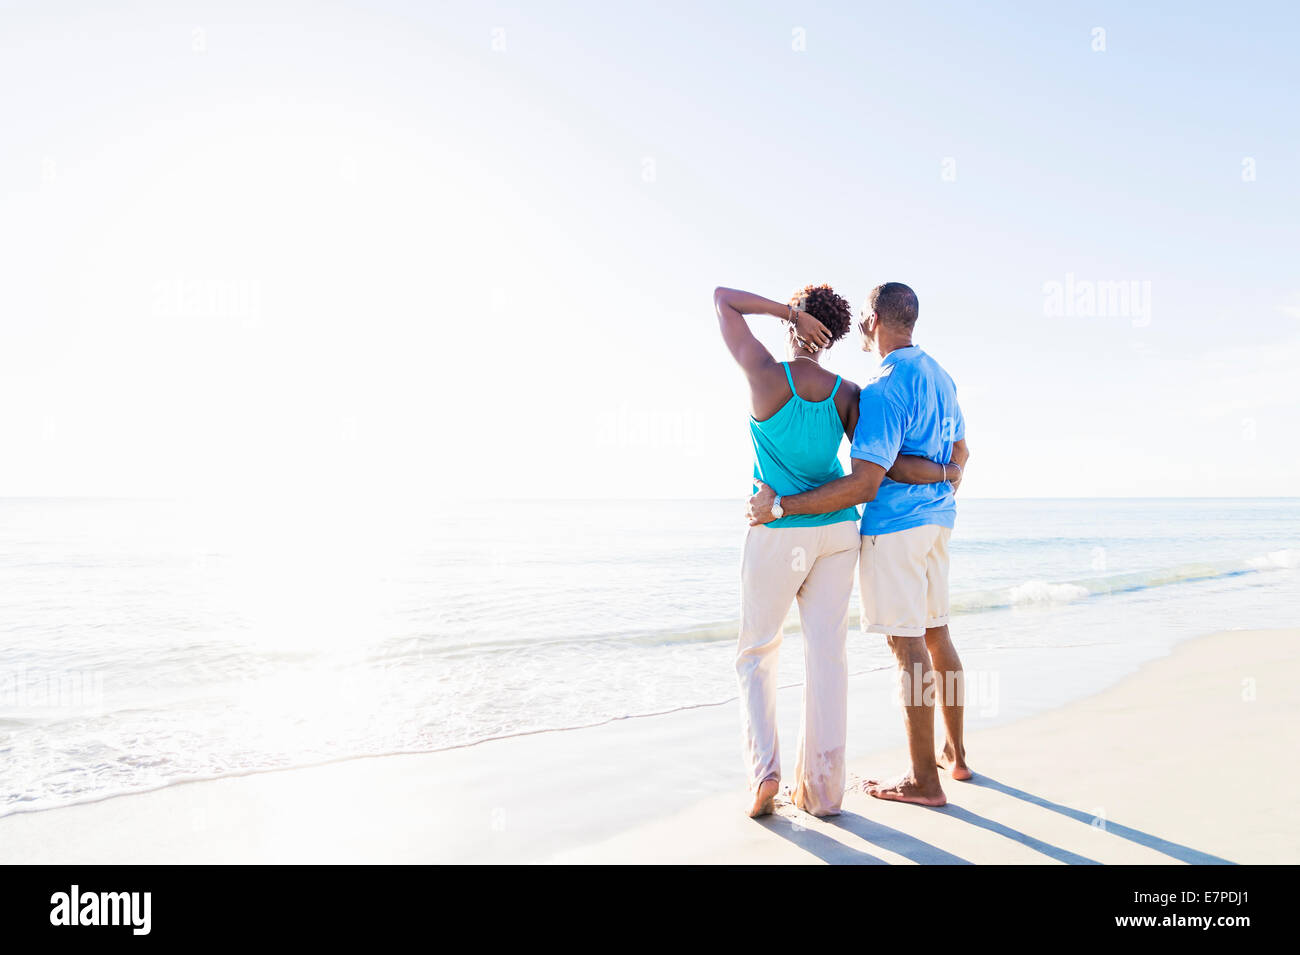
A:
(895, 304)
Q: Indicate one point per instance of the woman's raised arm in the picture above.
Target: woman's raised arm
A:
(732, 305)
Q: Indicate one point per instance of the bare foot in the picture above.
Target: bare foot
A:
(906, 789)
(764, 798)
(954, 764)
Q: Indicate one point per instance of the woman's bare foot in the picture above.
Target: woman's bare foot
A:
(906, 789)
(764, 798)
(955, 764)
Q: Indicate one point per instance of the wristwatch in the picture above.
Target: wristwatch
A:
(777, 510)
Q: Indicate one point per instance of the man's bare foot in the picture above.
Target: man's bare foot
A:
(954, 764)
(906, 789)
(764, 798)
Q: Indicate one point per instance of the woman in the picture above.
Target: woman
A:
(800, 413)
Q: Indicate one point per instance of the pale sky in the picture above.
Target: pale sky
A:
(466, 250)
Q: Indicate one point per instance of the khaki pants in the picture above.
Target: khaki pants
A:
(815, 566)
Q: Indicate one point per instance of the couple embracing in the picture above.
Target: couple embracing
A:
(908, 449)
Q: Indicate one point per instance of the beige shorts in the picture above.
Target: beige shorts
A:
(903, 577)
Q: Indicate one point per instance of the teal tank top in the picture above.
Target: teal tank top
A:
(797, 449)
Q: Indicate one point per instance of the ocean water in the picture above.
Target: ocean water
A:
(146, 643)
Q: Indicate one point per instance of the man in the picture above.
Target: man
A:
(911, 408)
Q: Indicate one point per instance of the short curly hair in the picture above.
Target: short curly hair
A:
(821, 302)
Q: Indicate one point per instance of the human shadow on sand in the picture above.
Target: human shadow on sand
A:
(1015, 835)
(1173, 849)
(796, 829)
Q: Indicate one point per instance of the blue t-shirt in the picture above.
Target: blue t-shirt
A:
(911, 408)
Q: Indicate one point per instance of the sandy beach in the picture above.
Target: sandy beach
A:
(1177, 763)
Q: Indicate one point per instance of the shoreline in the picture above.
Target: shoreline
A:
(667, 789)
(1139, 773)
